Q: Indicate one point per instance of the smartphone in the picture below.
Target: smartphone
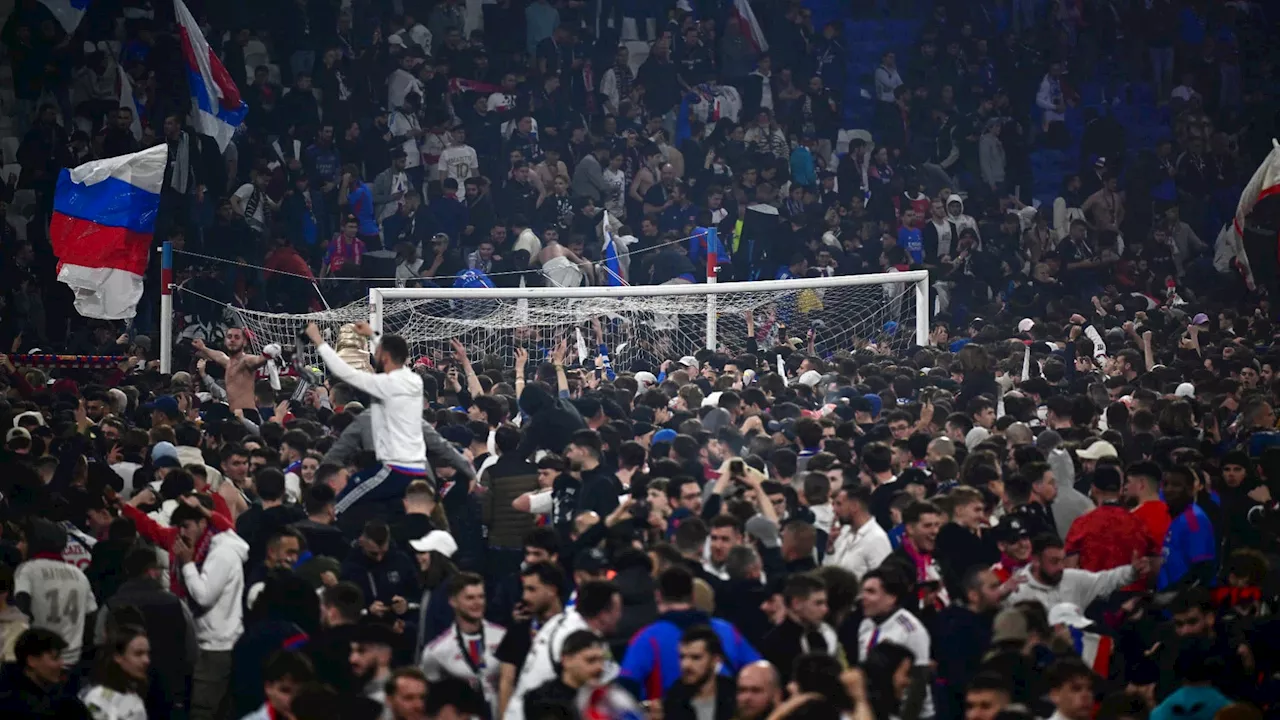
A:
(737, 468)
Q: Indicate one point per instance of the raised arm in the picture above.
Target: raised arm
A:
(209, 353)
(368, 382)
(473, 381)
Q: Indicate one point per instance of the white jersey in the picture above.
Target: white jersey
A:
(60, 600)
(402, 124)
(459, 162)
(103, 703)
(544, 657)
(901, 628)
(467, 657)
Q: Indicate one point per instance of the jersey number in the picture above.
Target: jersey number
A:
(58, 611)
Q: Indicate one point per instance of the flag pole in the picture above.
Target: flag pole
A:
(713, 264)
(166, 308)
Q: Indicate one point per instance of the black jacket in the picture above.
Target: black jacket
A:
(395, 575)
(506, 480)
(677, 704)
(22, 698)
(552, 421)
(739, 601)
(330, 653)
(257, 524)
(169, 627)
(323, 540)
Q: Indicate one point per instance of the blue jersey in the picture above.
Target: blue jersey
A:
(1188, 542)
(652, 663)
(910, 241)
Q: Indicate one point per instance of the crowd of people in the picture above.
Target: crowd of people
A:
(1060, 506)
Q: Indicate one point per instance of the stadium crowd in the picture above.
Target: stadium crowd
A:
(1060, 507)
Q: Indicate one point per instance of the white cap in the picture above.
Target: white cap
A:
(1068, 614)
(1025, 325)
(811, 378)
(689, 361)
(28, 414)
(1185, 390)
(712, 400)
(644, 377)
(437, 540)
(1097, 451)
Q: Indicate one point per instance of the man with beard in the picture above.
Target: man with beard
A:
(1047, 580)
(858, 544)
(598, 490)
(370, 659)
(1189, 543)
(239, 368)
(967, 627)
(804, 630)
(701, 691)
(581, 665)
(541, 584)
(466, 650)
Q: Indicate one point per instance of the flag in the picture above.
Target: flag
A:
(125, 91)
(742, 14)
(104, 214)
(612, 264)
(713, 251)
(67, 12)
(461, 85)
(1264, 183)
(216, 107)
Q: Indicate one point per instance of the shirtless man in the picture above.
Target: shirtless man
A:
(561, 265)
(240, 369)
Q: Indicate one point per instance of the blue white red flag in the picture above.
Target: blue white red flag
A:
(216, 106)
(68, 13)
(612, 263)
(104, 215)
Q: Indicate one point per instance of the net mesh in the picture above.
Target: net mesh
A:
(639, 331)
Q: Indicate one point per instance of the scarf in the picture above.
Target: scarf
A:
(622, 75)
(201, 552)
(923, 561)
(251, 209)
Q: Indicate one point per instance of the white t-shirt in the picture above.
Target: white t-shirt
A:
(901, 628)
(444, 656)
(103, 703)
(459, 162)
(259, 217)
(60, 600)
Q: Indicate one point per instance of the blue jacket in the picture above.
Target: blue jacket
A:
(652, 663)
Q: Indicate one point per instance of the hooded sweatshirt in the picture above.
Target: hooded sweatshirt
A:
(217, 586)
(552, 421)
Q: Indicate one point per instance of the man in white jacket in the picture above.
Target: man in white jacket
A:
(1047, 580)
(214, 578)
(598, 609)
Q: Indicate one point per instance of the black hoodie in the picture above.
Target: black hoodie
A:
(552, 421)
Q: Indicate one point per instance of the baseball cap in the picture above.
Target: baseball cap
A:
(646, 378)
(28, 415)
(165, 455)
(1097, 451)
(592, 561)
(1025, 325)
(1068, 614)
(811, 378)
(436, 540)
(664, 435)
(17, 432)
(1010, 626)
(688, 361)
(1185, 390)
(166, 404)
(876, 403)
(976, 437)
(1012, 529)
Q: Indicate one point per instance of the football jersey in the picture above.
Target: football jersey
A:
(467, 656)
(60, 600)
(901, 628)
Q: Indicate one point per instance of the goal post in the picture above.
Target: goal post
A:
(856, 309)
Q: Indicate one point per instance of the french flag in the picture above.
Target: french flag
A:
(612, 263)
(104, 215)
(68, 13)
(217, 109)
(745, 17)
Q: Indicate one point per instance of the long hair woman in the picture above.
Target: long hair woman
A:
(118, 686)
(888, 672)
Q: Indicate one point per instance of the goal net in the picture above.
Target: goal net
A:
(642, 326)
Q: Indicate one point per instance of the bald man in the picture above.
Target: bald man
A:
(759, 691)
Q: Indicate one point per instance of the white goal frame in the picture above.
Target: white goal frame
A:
(918, 278)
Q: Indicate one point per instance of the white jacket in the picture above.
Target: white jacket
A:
(539, 667)
(1230, 246)
(1078, 587)
(104, 703)
(218, 586)
(397, 416)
